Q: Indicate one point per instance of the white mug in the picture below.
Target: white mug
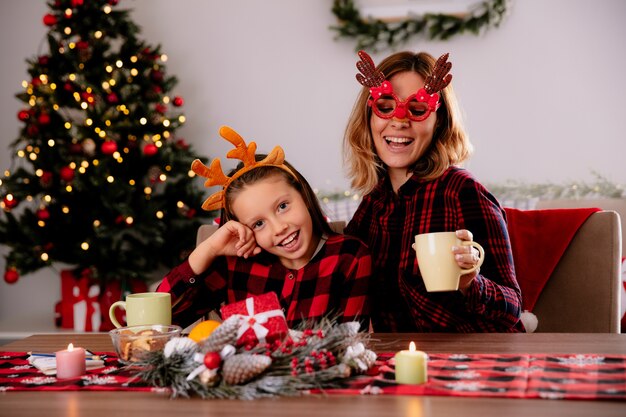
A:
(436, 262)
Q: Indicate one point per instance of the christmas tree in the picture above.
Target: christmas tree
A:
(98, 180)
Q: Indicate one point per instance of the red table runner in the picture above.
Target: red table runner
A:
(552, 376)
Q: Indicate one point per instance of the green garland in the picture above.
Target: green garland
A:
(375, 34)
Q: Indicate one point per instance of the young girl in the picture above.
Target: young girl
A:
(403, 145)
(273, 236)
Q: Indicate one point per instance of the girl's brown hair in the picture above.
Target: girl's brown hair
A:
(450, 144)
(297, 181)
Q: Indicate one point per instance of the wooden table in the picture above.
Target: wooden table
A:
(118, 404)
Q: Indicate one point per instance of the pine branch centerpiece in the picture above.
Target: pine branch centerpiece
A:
(314, 356)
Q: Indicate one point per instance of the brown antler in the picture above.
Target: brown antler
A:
(215, 175)
(438, 80)
(371, 76)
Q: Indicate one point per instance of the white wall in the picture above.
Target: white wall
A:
(543, 94)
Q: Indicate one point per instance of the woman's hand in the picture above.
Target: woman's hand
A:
(466, 257)
(231, 239)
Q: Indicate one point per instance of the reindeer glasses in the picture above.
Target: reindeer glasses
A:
(387, 105)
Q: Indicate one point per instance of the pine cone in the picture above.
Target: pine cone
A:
(225, 334)
(241, 368)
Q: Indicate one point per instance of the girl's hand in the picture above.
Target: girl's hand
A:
(466, 257)
(234, 239)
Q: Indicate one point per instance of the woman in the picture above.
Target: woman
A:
(403, 146)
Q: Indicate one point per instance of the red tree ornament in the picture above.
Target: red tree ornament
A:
(160, 108)
(32, 130)
(46, 179)
(43, 60)
(10, 201)
(109, 147)
(112, 98)
(212, 360)
(43, 214)
(44, 119)
(11, 275)
(49, 20)
(150, 149)
(76, 3)
(66, 174)
(178, 101)
(23, 115)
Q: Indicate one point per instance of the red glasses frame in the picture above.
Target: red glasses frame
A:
(402, 109)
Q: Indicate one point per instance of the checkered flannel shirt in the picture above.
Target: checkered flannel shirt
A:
(388, 223)
(334, 282)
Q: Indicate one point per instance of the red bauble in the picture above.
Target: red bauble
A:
(182, 143)
(113, 2)
(68, 86)
(23, 115)
(46, 179)
(10, 203)
(160, 108)
(156, 76)
(43, 214)
(76, 148)
(112, 98)
(49, 20)
(32, 130)
(212, 360)
(109, 147)
(150, 149)
(76, 3)
(44, 119)
(44, 59)
(66, 174)
(178, 101)
(82, 45)
(11, 275)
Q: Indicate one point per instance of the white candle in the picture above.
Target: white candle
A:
(70, 362)
(411, 366)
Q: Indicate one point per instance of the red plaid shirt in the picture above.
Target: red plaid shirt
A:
(389, 223)
(335, 281)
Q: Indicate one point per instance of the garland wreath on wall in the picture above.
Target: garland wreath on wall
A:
(375, 34)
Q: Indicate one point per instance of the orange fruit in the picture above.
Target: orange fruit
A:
(203, 329)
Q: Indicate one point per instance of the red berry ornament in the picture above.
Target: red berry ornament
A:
(178, 101)
(49, 20)
(109, 147)
(11, 275)
(212, 360)
(150, 149)
(66, 174)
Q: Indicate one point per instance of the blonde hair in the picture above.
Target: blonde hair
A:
(450, 144)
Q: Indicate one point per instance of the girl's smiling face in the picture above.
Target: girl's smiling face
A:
(279, 218)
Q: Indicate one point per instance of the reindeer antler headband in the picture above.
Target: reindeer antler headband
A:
(243, 152)
(416, 107)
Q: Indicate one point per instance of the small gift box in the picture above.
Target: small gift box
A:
(263, 321)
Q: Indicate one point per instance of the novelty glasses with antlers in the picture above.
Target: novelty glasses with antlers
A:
(387, 105)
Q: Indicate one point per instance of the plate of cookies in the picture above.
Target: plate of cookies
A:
(133, 342)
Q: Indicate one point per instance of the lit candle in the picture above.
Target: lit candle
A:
(71, 362)
(411, 366)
